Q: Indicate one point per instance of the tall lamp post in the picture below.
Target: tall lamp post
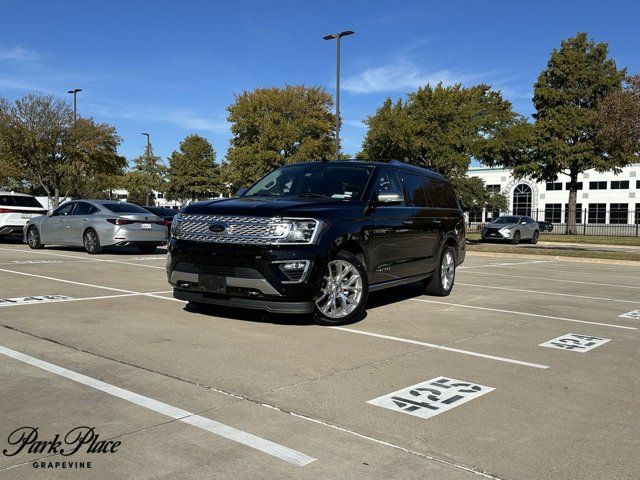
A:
(337, 37)
(74, 92)
(147, 153)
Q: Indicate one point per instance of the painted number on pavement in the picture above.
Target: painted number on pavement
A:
(575, 342)
(635, 314)
(5, 302)
(29, 262)
(430, 398)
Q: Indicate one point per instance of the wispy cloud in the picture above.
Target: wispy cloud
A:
(400, 76)
(16, 53)
(188, 119)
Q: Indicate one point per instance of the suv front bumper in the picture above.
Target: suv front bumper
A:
(244, 276)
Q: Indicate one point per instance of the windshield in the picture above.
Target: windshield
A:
(316, 180)
(507, 220)
(124, 207)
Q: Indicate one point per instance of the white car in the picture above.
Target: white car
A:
(16, 209)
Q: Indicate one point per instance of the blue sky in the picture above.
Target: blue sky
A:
(171, 68)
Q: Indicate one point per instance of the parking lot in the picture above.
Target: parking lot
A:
(98, 341)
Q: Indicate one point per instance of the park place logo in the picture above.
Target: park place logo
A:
(77, 441)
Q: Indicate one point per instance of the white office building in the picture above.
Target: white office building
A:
(603, 198)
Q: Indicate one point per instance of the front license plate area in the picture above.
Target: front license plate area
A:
(212, 283)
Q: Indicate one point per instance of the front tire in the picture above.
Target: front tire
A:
(33, 239)
(536, 236)
(441, 282)
(344, 291)
(91, 242)
(516, 238)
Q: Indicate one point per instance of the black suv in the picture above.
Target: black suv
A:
(318, 237)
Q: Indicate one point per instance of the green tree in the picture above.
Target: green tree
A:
(444, 128)
(147, 175)
(566, 96)
(39, 137)
(193, 172)
(274, 126)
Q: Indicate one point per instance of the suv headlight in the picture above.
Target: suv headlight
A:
(299, 230)
(506, 231)
(174, 225)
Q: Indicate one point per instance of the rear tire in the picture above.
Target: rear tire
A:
(344, 291)
(516, 238)
(147, 249)
(91, 242)
(536, 236)
(33, 239)
(441, 283)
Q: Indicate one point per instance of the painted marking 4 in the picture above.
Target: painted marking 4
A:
(23, 262)
(34, 299)
(575, 342)
(635, 314)
(430, 398)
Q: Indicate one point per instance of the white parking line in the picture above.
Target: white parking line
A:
(548, 279)
(102, 297)
(217, 428)
(442, 347)
(505, 264)
(547, 293)
(564, 268)
(87, 259)
(513, 312)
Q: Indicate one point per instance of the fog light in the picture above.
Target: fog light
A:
(294, 270)
(294, 266)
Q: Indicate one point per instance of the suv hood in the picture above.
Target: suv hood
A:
(269, 207)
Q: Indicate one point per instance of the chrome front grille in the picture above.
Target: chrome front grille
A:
(237, 229)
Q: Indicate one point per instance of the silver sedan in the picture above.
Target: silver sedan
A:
(512, 228)
(94, 224)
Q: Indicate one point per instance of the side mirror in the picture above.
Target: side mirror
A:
(49, 213)
(389, 198)
(240, 191)
(523, 223)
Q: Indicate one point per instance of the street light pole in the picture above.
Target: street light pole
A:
(337, 37)
(147, 156)
(74, 92)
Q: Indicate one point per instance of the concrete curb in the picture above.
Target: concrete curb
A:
(595, 246)
(632, 263)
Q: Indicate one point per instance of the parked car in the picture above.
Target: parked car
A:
(512, 228)
(545, 226)
(15, 211)
(94, 224)
(318, 237)
(166, 214)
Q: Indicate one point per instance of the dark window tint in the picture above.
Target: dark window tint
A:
(414, 191)
(18, 201)
(161, 211)
(619, 184)
(84, 208)
(597, 213)
(64, 209)
(568, 185)
(554, 186)
(124, 207)
(553, 212)
(493, 188)
(597, 186)
(440, 193)
(619, 213)
(579, 213)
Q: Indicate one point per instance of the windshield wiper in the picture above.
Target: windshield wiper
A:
(312, 195)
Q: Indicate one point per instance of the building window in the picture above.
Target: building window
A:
(597, 185)
(597, 213)
(637, 183)
(619, 184)
(159, 195)
(637, 211)
(579, 186)
(554, 185)
(578, 213)
(619, 213)
(475, 215)
(493, 188)
(522, 200)
(491, 213)
(553, 212)
(122, 196)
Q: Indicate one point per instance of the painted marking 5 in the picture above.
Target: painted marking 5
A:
(23, 262)
(430, 398)
(635, 314)
(575, 342)
(34, 299)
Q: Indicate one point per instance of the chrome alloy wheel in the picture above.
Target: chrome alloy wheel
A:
(32, 237)
(341, 291)
(447, 270)
(90, 241)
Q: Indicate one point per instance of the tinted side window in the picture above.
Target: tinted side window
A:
(414, 191)
(84, 209)
(388, 182)
(64, 209)
(440, 193)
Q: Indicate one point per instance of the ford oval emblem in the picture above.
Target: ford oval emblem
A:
(217, 227)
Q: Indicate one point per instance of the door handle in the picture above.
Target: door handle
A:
(408, 222)
(437, 220)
